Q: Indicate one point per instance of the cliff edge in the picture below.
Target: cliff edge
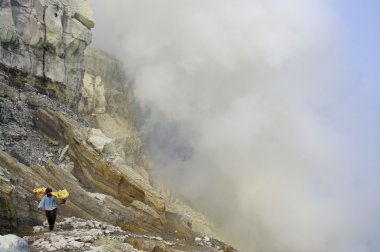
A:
(68, 119)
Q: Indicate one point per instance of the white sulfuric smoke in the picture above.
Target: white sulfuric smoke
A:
(248, 108)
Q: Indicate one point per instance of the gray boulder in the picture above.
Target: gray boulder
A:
(13, 243)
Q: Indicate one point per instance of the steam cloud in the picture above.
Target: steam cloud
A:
(251, 117)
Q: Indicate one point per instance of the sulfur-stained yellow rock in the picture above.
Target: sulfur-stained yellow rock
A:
(93, 170)
(18, 203)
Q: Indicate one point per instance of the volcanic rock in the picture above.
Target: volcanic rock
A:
(43, 42)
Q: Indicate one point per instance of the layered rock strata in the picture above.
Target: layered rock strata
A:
(42, 42)
(55, 143)
(96, 172)
(82, 203)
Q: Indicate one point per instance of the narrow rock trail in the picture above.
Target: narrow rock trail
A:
(74, 234)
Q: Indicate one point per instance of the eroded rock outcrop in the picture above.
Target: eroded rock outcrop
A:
(42, 42)
(31, 159)
(107, 102)
(93, 96)
(96, 173)
(107, 85)
(82, 203)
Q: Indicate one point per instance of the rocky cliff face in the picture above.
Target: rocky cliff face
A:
(42, 52)
(58, 150)
(68, 120)
(42, 143)
(107, 103)
(42, 43)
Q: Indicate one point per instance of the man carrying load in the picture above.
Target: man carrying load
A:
(48, 202)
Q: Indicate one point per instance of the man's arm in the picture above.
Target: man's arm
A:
(42, 202)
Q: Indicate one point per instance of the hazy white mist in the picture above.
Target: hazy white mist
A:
(249, 117)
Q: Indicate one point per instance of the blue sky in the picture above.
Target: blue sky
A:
(361, 24)
(363, 33)
(360, 21)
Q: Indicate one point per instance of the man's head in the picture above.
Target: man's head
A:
(48, 190)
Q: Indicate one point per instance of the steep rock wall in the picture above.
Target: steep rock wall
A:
(42, 45)
(43, 144)
(42, 42)
(107, 102)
